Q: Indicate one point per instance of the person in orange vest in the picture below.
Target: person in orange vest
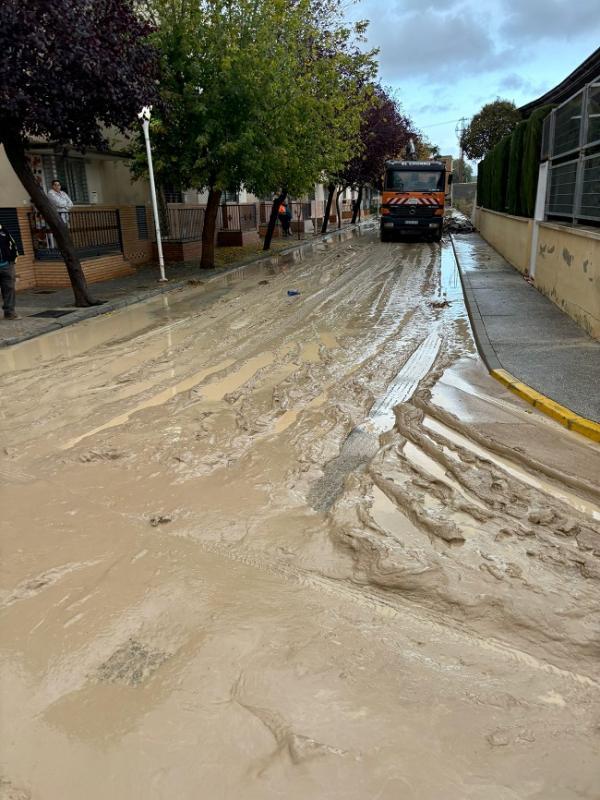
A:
(285, 217)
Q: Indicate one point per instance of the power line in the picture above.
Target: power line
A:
(437, 124)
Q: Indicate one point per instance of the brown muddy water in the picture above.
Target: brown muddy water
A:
(259, 546)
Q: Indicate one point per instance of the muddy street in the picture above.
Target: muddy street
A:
(258, 546)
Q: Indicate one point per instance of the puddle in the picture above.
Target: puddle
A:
(217, 390)
(158, 400)
(329, 340)
(310, 353)
(289, 417)
(125, 323)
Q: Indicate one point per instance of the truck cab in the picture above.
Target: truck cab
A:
(413, 199)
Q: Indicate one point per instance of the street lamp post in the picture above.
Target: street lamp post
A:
(144, 115)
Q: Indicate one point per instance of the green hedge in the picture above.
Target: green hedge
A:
(532, 146)
(515, 167)
(507, 177)
(501, 155)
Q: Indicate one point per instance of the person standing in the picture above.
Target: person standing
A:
(285, 218)
(61, 201)
(8, 256)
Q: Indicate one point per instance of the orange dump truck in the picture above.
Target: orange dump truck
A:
(413, 199)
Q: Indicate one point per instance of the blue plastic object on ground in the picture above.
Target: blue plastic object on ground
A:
(293, 293)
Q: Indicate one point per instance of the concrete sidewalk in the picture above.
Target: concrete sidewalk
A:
(521, 331)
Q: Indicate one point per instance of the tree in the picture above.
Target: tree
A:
(495, 121)
(384, 134)
(69, 71)
(329, 86)
(462, 170)
(249, 93)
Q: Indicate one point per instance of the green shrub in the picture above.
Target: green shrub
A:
(481, 178)
(515, 165)
(500, 156)
(532, 145)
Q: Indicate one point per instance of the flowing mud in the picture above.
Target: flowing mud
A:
(259, 546)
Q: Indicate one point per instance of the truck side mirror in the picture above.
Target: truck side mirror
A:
(450, 179)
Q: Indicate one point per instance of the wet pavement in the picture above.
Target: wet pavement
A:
(43, 310)
(526, 334)
(262, 546)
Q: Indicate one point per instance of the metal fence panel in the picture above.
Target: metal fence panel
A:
(93, 232)
(547, 131)
(561, 194)
(184, 223)
(567, 126)
(593, 115)
(590, 194)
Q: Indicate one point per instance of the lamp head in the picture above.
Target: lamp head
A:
(145, 113)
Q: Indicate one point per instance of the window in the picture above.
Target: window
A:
(414, 180)
(71, 173)
(230, 197)
(142, 223)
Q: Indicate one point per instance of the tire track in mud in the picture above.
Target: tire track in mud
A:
(323, 307)
(204, 329)
(363, 442)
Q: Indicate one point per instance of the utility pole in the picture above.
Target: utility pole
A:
(461, 127)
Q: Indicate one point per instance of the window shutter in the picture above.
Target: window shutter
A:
(142, 223)
(10, 221)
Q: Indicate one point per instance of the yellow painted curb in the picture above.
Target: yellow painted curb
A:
(566, 417)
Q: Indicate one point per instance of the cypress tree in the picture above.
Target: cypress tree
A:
(532, 146)
(515, 163)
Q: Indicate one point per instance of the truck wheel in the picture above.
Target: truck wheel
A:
(384, 236)
(437, 237)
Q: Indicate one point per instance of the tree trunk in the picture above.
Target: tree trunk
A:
(330, 193)
(15, 152)
(207, 260)
(337, 207)
(273, 218)
(357, 206)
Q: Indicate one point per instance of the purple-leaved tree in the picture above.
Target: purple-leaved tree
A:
(385, 133)
(70, 70)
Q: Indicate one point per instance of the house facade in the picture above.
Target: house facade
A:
(110, 223)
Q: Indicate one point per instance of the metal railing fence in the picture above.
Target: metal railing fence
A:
(574, 125)
(239, 217)
(571, 145)
(95, 232)
(185, 221)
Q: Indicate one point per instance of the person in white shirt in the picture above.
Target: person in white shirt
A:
(61, 201)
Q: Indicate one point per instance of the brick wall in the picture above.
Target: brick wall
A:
(136, 250)
(53, 274)
(25, 267)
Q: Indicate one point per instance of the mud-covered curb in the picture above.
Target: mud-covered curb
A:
(485, 347)
(149, 294)
(569, 419)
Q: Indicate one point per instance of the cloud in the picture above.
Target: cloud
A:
(469, 37)
(430, 40)
(435, 108)
(532, 20)
(522, 85)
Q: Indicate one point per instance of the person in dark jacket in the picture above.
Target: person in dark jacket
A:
(285, 218)
(8, 256)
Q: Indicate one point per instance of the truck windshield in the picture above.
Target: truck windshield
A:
(414, 181)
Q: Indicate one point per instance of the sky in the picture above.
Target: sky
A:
(447, 58)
